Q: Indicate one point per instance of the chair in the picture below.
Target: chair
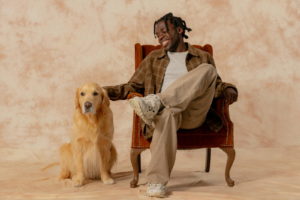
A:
(201, 137)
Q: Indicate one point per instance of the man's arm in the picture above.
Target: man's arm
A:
(223, 89)
(134, 85)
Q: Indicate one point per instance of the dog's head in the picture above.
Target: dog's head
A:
(90, 97)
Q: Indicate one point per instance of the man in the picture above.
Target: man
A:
(179, 83)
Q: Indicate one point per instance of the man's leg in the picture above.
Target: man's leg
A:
(186, 102)
(163, 147)
(189, 87)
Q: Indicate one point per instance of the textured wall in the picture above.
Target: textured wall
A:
(49, 48)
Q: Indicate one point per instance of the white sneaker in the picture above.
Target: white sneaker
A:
(156, 190)
(146, 107)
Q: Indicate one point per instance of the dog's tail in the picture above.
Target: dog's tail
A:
(51, 165)
(113, 158)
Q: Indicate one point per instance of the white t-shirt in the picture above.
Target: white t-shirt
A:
(175, 69)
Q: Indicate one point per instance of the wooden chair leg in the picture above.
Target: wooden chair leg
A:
(134, 153)
(230, 158)
(208, 156)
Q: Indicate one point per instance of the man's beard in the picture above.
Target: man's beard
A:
(174, 45)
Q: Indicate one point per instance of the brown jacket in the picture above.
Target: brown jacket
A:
(148, 79)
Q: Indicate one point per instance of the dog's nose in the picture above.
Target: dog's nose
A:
(87, 104)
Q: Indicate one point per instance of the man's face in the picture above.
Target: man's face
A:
(169, 40)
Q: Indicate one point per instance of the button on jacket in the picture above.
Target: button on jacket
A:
(148, 79)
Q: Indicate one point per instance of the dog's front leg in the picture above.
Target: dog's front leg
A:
(105, 156)
(78, 156)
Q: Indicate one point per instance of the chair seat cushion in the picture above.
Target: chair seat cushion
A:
(200, 138)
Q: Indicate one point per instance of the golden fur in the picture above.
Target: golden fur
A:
(91, 153)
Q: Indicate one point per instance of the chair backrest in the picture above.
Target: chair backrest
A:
(141, 51)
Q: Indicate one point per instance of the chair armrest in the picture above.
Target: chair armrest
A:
(222, 108)
(132, 95)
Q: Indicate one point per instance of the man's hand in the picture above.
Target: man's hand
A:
(231, 95)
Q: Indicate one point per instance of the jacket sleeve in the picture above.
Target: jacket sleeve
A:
(134, 85)
(220, 85)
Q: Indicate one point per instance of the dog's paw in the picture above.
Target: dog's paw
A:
(108, 181)
(77, 183)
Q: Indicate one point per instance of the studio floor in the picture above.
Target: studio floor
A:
(262, 173)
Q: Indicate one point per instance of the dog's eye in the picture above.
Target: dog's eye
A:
(82, 94)
(95, 93)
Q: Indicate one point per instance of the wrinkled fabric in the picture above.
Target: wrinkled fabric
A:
(187, 102)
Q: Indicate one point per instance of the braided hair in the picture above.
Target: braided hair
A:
(176, 21)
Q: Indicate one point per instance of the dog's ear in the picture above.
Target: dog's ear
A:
(77, 105)
(105, 99)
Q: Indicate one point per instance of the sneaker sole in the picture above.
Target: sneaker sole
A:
(156, 195)
(135, 104)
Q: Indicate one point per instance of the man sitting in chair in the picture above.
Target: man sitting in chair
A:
(179, 83)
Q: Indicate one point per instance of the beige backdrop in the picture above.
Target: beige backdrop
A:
(48, 48)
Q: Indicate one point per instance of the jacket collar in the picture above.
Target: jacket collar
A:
(191, 50)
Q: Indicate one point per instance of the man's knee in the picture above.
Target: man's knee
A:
(209, 70)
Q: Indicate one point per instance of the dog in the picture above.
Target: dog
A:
(91, 153)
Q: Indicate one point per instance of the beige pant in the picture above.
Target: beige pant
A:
(187, 102)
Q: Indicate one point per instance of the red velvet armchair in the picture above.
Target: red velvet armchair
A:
(201, 137)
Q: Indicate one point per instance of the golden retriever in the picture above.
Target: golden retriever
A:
(91, 153)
